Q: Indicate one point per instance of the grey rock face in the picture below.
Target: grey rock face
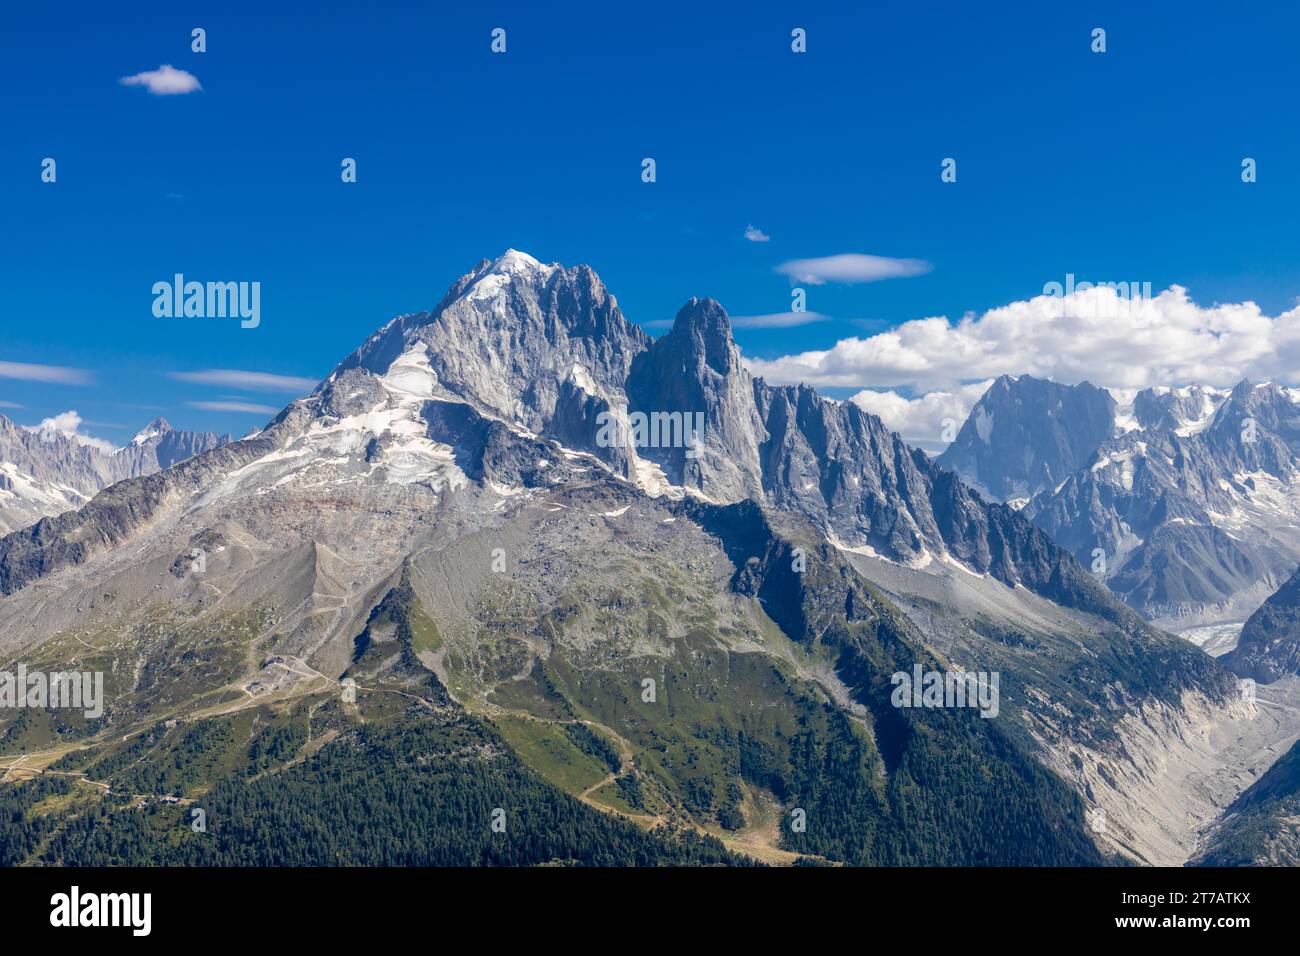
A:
(541, 346)
(1175, 408)
(43, 474)
(1195, 521)
(1026, 435)
(158, 447)
(1257, 428)
(695, 370)
(46, 473)
(170, 446)
(839, 467)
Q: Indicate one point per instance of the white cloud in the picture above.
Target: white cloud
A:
(754, 234)
(164, 81)
(11, 405)
(777, 320)
(256, 381)
(1165, 340)
(68, 424)
(50, 374)
(1095, 335)
(851, 268)
(248, 407)
(921, 420)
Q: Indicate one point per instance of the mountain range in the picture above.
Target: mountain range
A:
(515, 562)
(44, 471)
(1183, 501)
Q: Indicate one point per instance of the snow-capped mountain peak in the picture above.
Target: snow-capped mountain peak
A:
(512, 260)
(155, 429)
(511, 266)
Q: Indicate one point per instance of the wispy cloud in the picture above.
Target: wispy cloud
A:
(851, 268)
(164, 81)
(254, 381)
(754, 234)
(774, 320)
(50, 374)
(248, 407)
(777, 320)
(11, 405)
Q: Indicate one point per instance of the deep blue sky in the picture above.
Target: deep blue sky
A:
(1115, 166)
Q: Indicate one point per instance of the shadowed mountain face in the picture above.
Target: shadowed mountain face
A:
(1269, 646)
(45, 472)
(1026, 435)
(669, 588)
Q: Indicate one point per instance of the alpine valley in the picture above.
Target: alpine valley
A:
(431, 614)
